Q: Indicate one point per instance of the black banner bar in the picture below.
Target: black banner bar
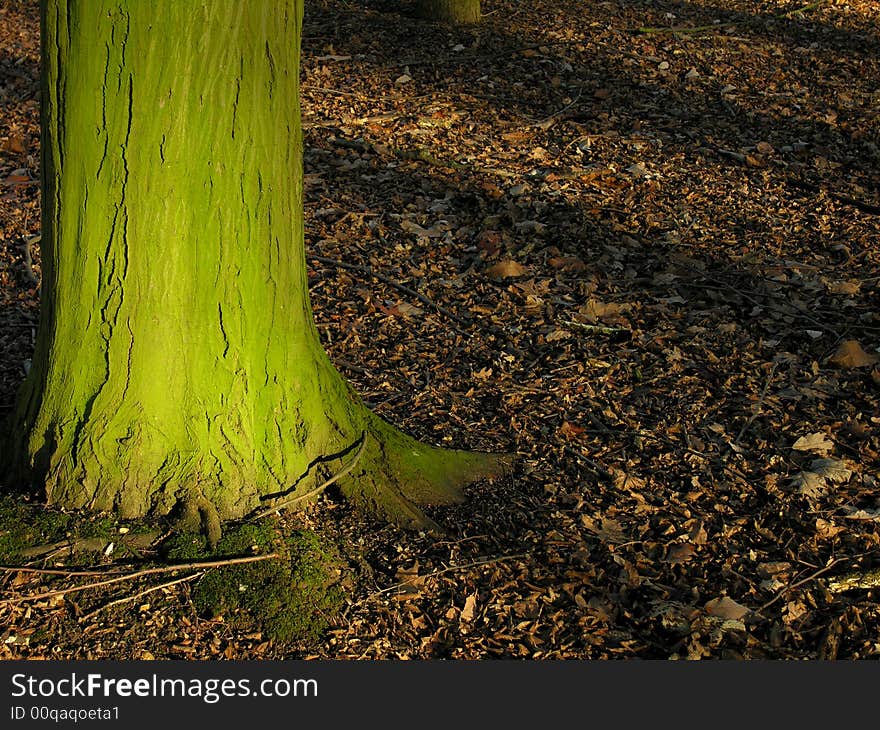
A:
(168, 694)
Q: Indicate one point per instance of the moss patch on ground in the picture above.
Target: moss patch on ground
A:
(26, 526)
(291, 598)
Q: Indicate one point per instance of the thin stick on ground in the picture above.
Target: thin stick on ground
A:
(803, 9)
(756, 411)
(450, 569)
(139, 574)
(645, 30)
(141, 594)
(59, 571)
(799, 583)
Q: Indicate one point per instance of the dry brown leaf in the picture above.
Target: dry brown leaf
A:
(847, 288)
(506, 270)
(470, 607)
(14, 145)
(851, 355)
(608, 529)
(834, 470)
(826, 529)
(726, 608)
(408, 310)
(679, 553)
(809, 484)
(570, 430)
(567, 263)
(625, 481)
(815, 443)
(607, 312)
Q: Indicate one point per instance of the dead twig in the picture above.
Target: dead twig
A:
(805, 8)
(442, 571)
(676, 29)
(141, 594)
(139, 574)
(756, 410)
(799, 583)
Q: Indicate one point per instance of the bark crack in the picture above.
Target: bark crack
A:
(223, 330)
(237, 94)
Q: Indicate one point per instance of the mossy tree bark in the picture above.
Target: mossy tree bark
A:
(177, 362)
(451, 11)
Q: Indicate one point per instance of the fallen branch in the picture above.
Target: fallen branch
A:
(805, 8)
(450, 569)
(141, 594)
(601, 329)
(855, 580)
(799, 583)
(139, 574)
(676, 29)
(320, 488)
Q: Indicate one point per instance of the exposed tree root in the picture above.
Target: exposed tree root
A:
(398, 475)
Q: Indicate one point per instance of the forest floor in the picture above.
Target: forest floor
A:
(636, 242)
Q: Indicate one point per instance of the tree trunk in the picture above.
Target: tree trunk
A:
(451, 11)
(177, 362)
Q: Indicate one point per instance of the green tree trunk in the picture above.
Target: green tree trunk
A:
(177, 362)
(451, 11)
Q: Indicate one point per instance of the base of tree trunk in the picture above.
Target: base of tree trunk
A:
(461, 12)
(372, 464)
(398, 475)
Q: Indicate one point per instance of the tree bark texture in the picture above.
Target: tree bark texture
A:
(451, 11)
(177, 361)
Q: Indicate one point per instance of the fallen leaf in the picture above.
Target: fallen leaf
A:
(851, 355)
(815, 443)
(435, 231)
(608, 529)
(407, 310)
(637, 170)
(570, 430)
(810, 484)
(567, 263)
(679, 553)
(847, 288)
(725, 607)
(14, 145)
(506, 270)
(470, 607)
(595, 310)
(826, 529)
(624, 480)
(834, 470)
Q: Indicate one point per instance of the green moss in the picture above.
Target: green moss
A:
(24, 525)
(289, 599)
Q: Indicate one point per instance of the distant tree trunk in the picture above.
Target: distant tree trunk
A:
(451, 11)
(177, 361)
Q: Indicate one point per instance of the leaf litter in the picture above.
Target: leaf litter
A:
(645, 254)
